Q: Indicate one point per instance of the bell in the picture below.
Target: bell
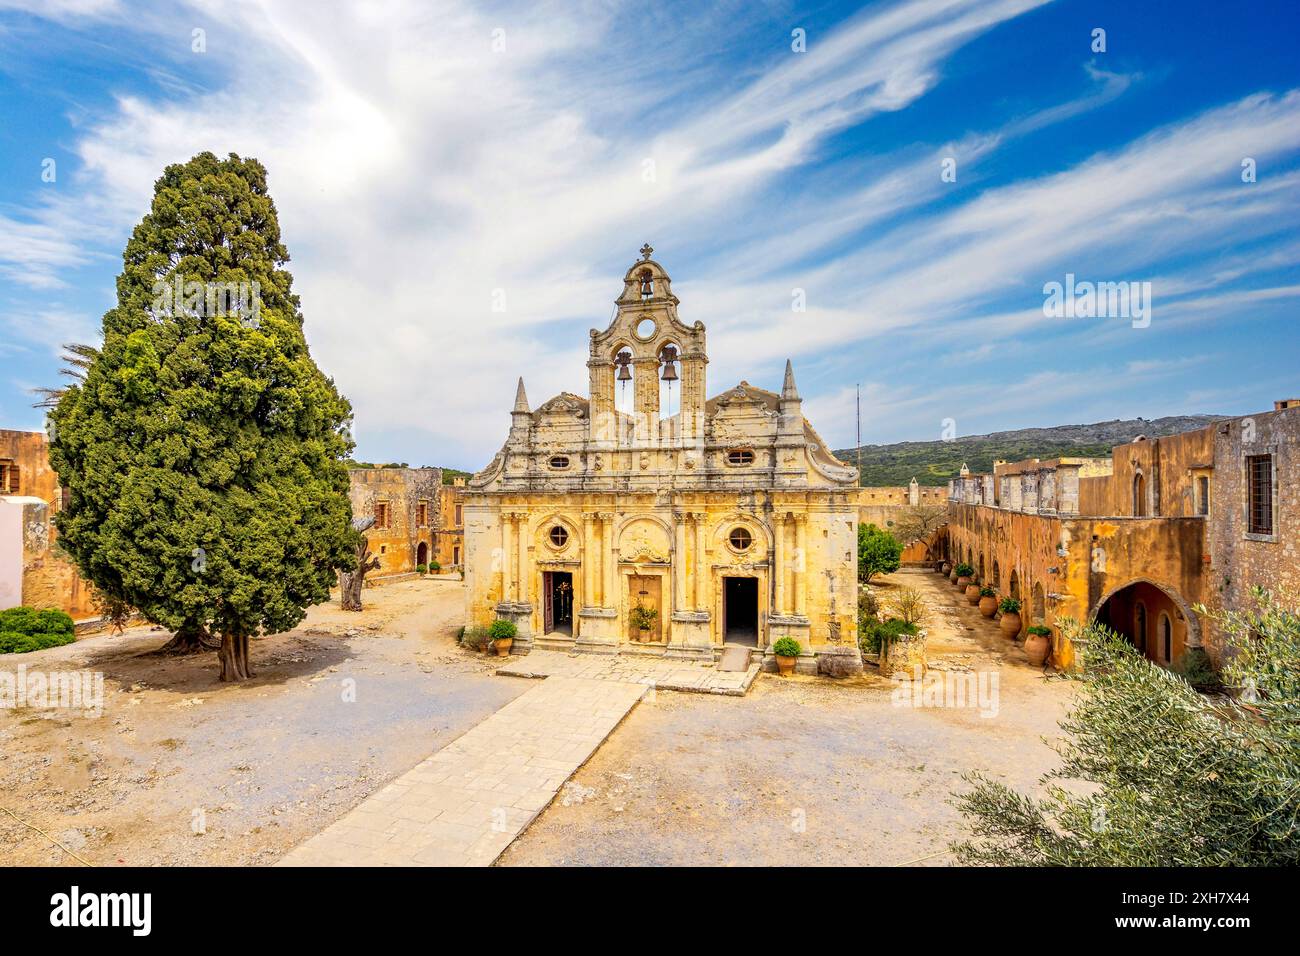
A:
(624, 373)
(669, 373)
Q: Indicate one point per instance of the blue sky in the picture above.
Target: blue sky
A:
(426, 155)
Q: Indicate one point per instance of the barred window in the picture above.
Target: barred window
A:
(740, 456)
(1259, 491)
(381, 514)
(422, 514)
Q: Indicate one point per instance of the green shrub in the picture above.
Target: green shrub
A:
(501, 629)
(1009, 605)
(474, 637)
(965, 571)
(434, 566)
(1195, 668)
(421, 568)
(1040, 630)
(988, 591)
(877, 638)
(25, 629)
(12, 642)
(786, 647)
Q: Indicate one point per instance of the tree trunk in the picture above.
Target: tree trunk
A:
(233, 656)
(189, 638)
(351, 582)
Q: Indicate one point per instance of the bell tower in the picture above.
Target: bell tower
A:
(641, 343)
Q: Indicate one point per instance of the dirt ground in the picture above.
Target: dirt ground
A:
(804, 770)
(255, 767)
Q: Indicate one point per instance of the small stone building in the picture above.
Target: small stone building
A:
(726, 520)
(32, 570)
(405, 503)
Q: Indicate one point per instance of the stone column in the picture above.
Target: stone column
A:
(588, 560)
(702, 602)
(679, 561)
(801, 564)
(609, 582)
(507, 556)
(779, 562)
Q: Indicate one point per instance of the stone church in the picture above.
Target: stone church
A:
(725, 520)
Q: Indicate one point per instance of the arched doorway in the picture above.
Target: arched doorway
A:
(1139, 495)
(422, 554)
(1156, 621)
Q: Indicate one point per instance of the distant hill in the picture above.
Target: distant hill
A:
(934, 462)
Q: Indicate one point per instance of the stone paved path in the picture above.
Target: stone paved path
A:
(466, 803)
(655, 672)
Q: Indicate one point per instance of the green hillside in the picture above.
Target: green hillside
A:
(934, 462)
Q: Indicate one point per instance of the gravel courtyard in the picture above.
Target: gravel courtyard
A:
(180, 769)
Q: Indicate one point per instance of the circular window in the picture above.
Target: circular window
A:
(646, 328)
(559, 461)
(559, 536)
(740, 539)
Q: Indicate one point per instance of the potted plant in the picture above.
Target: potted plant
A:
(421, 568)
(1010, 622)
(965, 576)
(502, 633)
(787, 651)
(988, 601)
(434, 567)
(474, 638)
(643, 618)
(1038, 643)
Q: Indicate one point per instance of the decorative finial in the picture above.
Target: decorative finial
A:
(646, 251)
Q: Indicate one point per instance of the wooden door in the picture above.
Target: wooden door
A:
(645, 590)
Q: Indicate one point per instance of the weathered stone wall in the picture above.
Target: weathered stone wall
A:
(1239, 560)
(403, 490)
(1074, 565)
(48, 579)
(451, 526)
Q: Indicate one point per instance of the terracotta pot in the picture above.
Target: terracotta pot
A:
(988, 606)
(952, 575)
(1036, 648)
(1010, 625)
(502, 644)
(973, 593)
(785, 665)
(964, 582)
(945, 568)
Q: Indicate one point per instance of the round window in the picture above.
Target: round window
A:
(740, 539)
(559, 461)
(646, 328)
(559, 536)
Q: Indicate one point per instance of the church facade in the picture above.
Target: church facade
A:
(618, 523)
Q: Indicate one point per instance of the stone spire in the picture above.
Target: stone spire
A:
(788, 390)
(521, 419)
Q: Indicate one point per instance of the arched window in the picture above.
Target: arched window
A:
(1038, 609)
(1140, 627)
(1139, 495)
(1166, 638)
